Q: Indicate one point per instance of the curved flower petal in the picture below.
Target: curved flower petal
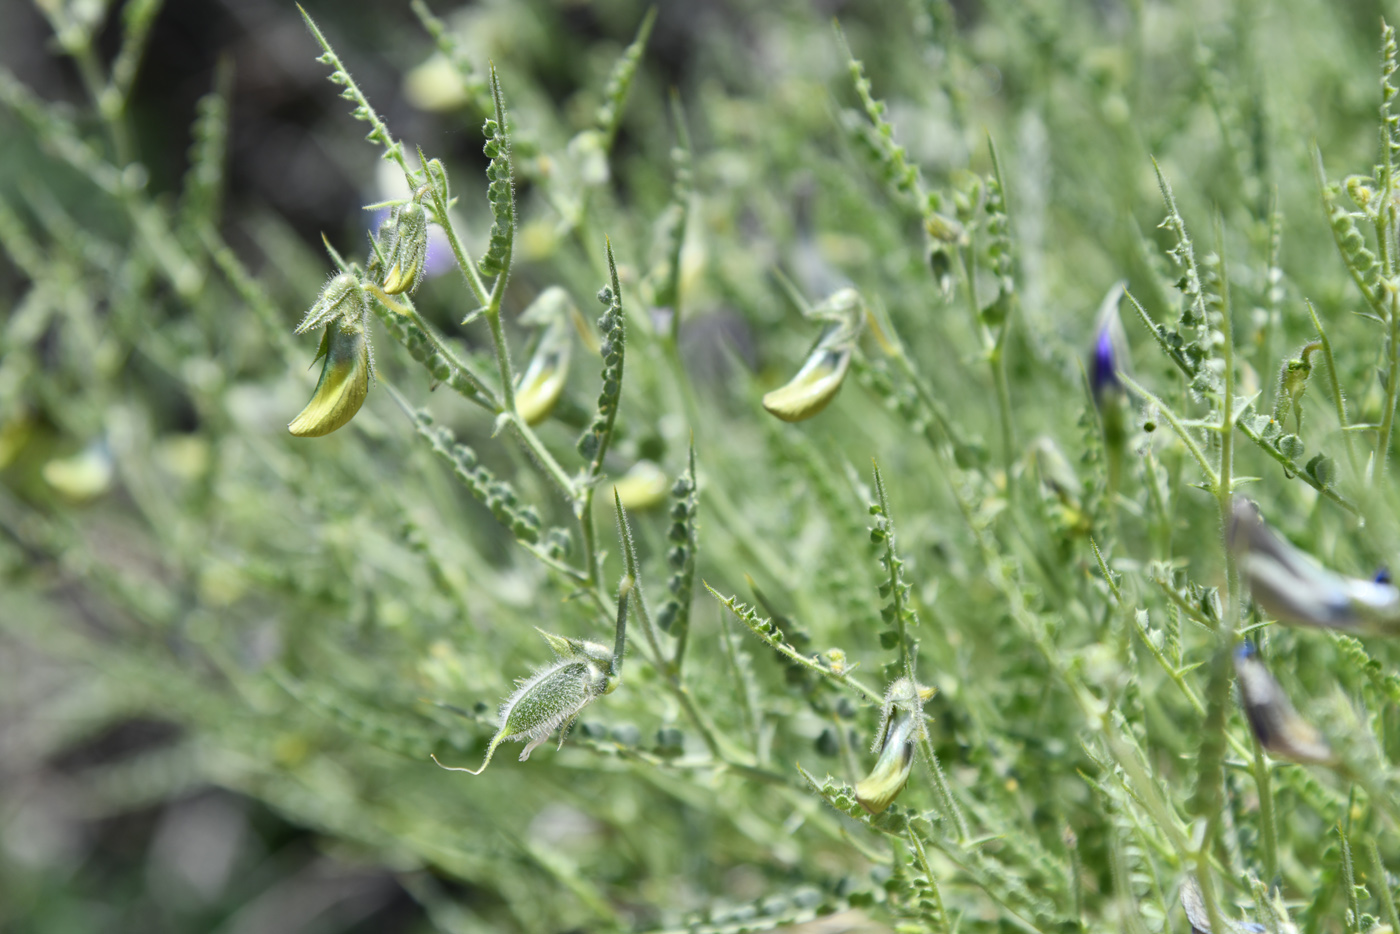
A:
(1276, 724)
(343, 385)
(1294, 588)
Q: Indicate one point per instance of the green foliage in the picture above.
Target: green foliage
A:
(1035, 685)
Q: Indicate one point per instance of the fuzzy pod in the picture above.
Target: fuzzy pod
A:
(553, 696)
(408, 250)
(344, 381)
(1272, 717)
(1294, 588)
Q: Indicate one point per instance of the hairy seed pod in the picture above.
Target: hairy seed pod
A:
(820, 378)
(1272, 718)
(552, 697)
(1294, 588)
(344, 381)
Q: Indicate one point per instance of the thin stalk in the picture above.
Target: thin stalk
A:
(583, 511)
(1212, 476)
(1210, 776)
(922, 857)
(1387, 898)
(1337, 398)
(542, 456)
(1264, 784)
(498, 338)
(1392, 382)
(403, 305)
(444, 220)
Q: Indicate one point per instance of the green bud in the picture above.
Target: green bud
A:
(341, 298)
(407, 250)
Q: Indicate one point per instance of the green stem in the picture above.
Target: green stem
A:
(498, 338)
(1392, 382)
(1264, 784)
(1387, 898)
(1338, 399)
(444, 220)
(922, 855)
(1212, 477)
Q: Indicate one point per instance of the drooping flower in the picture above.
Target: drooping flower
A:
(1109, 357)
(1292, 587)
(344, 381)
(343, 311)
(1272, 717)
(1196, 915)
(543, 381)
(901, 725)
(817, 383)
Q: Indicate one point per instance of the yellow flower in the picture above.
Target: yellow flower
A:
(817, 383)
(543, 381)
(344, 381)
(901, 724)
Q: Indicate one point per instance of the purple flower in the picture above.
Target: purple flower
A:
(1110, 354)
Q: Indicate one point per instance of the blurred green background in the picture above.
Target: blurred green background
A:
(205, 628)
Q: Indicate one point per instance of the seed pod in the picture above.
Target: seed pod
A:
(543, 381)
(901, 724)
(1294, 588)
(1276, 724)
(408, 249)
(817, 383)
(344, 381)
(552, 697)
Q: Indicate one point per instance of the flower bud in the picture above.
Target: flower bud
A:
(1294, 588)
(408, 249)
(901, 724)
(1110, 353)
(1276, 724)
(344, 381)
(341, 298)
(817, 383)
